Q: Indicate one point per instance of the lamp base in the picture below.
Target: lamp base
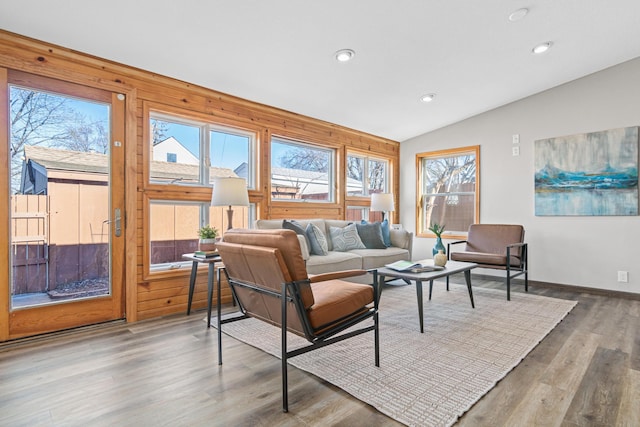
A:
(229, 218)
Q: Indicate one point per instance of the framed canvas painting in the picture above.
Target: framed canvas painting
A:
(587, 174)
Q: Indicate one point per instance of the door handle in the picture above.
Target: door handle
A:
(117, 221)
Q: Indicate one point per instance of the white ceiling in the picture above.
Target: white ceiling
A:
(281, 52)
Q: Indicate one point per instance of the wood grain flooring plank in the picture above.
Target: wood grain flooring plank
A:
(629, 412)
(597, 400)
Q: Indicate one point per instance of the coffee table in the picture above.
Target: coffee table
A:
(452, 267)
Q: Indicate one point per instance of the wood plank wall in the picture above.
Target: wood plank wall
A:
(160, 294)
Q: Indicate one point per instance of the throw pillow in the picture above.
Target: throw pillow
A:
(345, 239)
(386, 233)
(317, 240)
(371, 235)
(297, 227)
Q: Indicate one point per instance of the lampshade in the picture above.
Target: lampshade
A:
(382, 202)
(229, 191)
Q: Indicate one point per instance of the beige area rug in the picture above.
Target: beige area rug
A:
(428, 379)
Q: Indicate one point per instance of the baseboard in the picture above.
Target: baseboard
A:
(568, 288)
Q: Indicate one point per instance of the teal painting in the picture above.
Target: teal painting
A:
(587, 174)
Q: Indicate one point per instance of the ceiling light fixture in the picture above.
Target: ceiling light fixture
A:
(428, 97)
(542, 47)
(518, 14)
(345, 55)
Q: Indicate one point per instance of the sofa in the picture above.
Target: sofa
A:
(398, 244)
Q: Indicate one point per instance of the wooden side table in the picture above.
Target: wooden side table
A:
(211, 261)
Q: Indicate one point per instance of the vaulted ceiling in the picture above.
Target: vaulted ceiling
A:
(281, 52)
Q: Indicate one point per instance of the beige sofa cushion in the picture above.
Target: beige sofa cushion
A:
(334, 261)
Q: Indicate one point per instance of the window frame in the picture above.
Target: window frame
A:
(205, 127)
(367, 159)
(447, 153)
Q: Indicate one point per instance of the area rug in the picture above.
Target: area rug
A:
(427, 379)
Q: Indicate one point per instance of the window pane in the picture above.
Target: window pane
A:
(231, 151)
(301, 172)
(356, 213)
(355, 176)
(175, 152)
(173, 231)
(448, 194)
(377, 176)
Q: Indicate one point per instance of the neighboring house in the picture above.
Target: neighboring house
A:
(172, 151)
(289, 183)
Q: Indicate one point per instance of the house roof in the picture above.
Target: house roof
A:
(67, 160)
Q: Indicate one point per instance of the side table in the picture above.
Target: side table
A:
(211, 261)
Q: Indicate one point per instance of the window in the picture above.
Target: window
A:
(448, 190)
(191, 152)
(301, 172)
(366, 175)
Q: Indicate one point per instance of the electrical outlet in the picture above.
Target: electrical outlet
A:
(515, 138)
(515, 151)
(623, 276)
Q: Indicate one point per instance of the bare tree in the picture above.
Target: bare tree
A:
(305, 159)
(159, 130)
(86, 136)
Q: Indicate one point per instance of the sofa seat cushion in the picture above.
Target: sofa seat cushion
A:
(375, 258)
(484, 258)
(333, 261)
(337, 299)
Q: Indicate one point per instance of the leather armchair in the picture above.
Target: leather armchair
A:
(496, 246)
(267, 275)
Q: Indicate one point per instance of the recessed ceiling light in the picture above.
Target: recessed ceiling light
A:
(344, 55)
(428, 97)
(542, 47)
(518, 14)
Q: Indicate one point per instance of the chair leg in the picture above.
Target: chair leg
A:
(283, 349)
(447, 283)
(376, 340)
(508, 285)
(526, 280)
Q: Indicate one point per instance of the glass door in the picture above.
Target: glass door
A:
(66, 200)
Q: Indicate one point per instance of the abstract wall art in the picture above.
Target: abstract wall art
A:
(587, 174)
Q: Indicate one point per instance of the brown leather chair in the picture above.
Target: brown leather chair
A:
(497, 246)
(268, 278)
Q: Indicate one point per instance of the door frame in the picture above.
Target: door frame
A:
(53, 317)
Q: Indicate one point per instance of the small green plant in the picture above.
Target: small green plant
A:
(437, 229)
(208, 232)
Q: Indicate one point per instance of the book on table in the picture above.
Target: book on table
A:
(205, 254)
(414, 267)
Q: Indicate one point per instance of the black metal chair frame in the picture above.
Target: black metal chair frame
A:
(290, 293)
(519, 270)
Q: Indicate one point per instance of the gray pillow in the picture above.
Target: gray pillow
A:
(297, 227)
(317, 240)
(371, 235)
(346, 238)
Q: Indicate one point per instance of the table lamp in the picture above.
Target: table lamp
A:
(229, 191)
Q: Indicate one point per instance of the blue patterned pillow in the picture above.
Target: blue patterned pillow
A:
(345, 239)
(317, 240)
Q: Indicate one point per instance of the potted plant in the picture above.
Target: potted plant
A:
(438, 229)
(208, 238)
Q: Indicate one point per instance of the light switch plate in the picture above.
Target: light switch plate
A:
(515, 151)
(516, 138)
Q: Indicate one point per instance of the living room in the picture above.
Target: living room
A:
(579, 253)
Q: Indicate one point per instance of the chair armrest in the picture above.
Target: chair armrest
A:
(322, 277)
(513, 245)
(453, 243)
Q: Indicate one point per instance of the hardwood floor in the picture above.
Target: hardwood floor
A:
(165, 372)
